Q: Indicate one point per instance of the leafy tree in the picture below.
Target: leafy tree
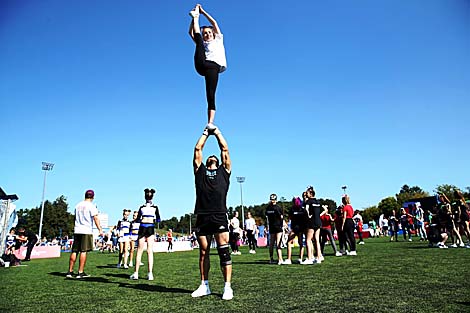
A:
(406, 193)
(386, 205)
(56, 219)
(371, 213)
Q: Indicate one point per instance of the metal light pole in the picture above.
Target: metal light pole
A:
(344, 189)
(241, 180)
(45, 167)
(190, 228)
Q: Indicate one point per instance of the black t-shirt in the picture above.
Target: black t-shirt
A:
(211, 190)
(313, 208)
(274, 215)
(297, 215)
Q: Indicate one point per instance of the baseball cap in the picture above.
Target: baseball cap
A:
(273, 197)
(89, 194)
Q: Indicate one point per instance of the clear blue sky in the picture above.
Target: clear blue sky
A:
(369, 94)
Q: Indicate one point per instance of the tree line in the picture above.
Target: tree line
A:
(57, 221)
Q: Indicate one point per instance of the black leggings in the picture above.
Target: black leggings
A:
(349, 233)
(251, 239)
(210, 70)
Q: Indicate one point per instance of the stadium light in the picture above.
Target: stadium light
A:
(241, 180)
(344, 189)
(45, 167)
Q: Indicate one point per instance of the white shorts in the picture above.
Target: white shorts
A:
(124, 239)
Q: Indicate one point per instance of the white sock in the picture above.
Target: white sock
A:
(205, 282)
(228, 284)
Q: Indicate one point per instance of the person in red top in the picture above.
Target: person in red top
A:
(325, 231)
(348, 224)
(169, 238)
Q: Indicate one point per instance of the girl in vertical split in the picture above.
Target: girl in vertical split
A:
(209, 57)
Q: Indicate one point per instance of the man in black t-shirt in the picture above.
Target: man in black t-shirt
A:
(212, 182)
(274, 216)
(31, 239)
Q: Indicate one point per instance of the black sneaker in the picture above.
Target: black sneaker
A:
(69, 275)
(82, 275)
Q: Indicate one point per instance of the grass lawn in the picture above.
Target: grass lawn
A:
(383, 277)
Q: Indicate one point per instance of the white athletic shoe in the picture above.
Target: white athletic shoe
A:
(410, 239)
(316, 261)
(361, 242)
(118, 266)
(462, 245)
(201, 291)
(322, 258)
(126, 266)
(287, 262)
(228, 293)
(453, 245)
(307, 262)
(352, 253)
(134, 276)
(150, 276)
(131, 264)
(339, 254)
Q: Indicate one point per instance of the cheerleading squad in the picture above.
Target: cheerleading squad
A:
(310, 223)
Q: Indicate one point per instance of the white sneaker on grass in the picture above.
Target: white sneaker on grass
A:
(339, 254)
(201, 291)
(287, 262)
(307, 262)
(134, 276)
(228, 293)
(150, 276)
(352, 253)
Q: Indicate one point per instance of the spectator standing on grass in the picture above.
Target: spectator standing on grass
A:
(384, 226)
(405, 223)
(393, 222)
(463, 210)
(447, 216)
(250, 228)
(235, 233)
(358, 223)
(28, 237)
(338, 219)
(348, 224)
(419, 220)
(326, 233)
(275, 218)
(85, 214)
(169, 238)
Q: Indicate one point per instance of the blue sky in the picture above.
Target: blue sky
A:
(368, 94)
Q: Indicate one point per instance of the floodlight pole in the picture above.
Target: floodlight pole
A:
(344, 189)
(241, 180)
(45, 167)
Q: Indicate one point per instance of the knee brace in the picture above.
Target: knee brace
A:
(224, 255)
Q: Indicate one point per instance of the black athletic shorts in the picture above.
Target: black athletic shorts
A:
(274, 230)
(146, 232)
(209, 224)
(298, 229)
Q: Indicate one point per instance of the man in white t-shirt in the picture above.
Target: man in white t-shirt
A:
(85, 214)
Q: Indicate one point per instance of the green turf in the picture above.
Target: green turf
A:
(384, 277)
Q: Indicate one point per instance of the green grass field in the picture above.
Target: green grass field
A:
(384, 277)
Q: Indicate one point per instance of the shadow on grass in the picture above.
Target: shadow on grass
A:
(123, 275)
(107, 266)
(153, 288)
(466, 303)
(88, 279)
